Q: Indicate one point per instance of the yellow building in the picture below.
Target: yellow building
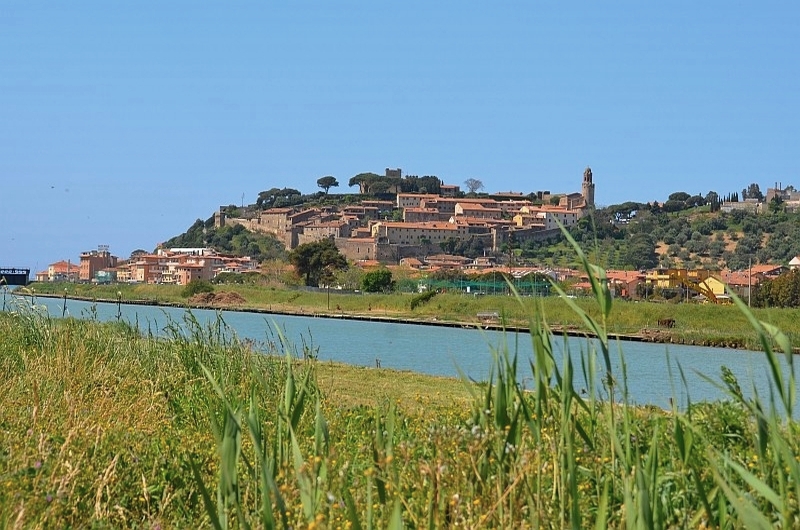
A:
(667, 278)
(716, 286)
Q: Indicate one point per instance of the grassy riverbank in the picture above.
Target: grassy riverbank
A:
(713, 325)
(101, 426)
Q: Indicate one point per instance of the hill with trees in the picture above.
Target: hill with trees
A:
(235, 240)
(684, 231)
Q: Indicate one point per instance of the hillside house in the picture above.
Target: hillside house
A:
(747, 205)
(449, 190)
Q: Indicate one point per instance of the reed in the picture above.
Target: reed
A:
(109, 425)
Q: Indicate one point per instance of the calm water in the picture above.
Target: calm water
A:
(444, 351)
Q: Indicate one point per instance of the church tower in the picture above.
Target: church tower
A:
(587, 190)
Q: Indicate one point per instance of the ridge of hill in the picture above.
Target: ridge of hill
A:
(691, 238)
(629, 235)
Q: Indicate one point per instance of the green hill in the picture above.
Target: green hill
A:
(236, 240)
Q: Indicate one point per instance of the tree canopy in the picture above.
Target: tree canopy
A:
(276, 198)
(752, 192)
(317, 261)
(425, 184)
(678, 196)
(641, 252)
(364, 181)
(327, 183)
(473, 185)
(783, 291)
(377, 280)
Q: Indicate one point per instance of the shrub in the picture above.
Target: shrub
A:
(419, 299)
(377, 281)
(197, 286)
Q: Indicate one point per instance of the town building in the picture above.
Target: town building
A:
(60, 271)
(95, 260)
(747, 205)
(429, 220)
(417, 233)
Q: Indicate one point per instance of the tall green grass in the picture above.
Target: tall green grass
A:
(103, 425)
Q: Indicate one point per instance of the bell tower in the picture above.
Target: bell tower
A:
(587, 190)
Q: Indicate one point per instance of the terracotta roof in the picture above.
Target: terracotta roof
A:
(739, 278)
(64, 266)
(765, 268)
(623, 275)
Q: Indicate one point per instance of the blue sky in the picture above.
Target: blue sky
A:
(122, 123)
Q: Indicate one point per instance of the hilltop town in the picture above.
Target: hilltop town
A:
(408, 229)
(425, 225)
(416, 225)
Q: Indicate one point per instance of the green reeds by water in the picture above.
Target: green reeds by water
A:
(103, 425)
(550, 457)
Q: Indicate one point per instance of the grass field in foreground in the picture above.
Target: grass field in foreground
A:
(103, 427)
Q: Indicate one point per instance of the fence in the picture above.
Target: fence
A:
(523, 286)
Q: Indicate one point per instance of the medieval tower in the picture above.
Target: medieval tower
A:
(587, 190)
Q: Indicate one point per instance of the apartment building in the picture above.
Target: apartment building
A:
(423, 215)
(397, 233)
(413, 200)
(448, 205)
(316, 231)
(95, 260)
(183, 265)
(60, 271)
(548, 217)
(477, 210)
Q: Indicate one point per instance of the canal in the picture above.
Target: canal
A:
(653, 375)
